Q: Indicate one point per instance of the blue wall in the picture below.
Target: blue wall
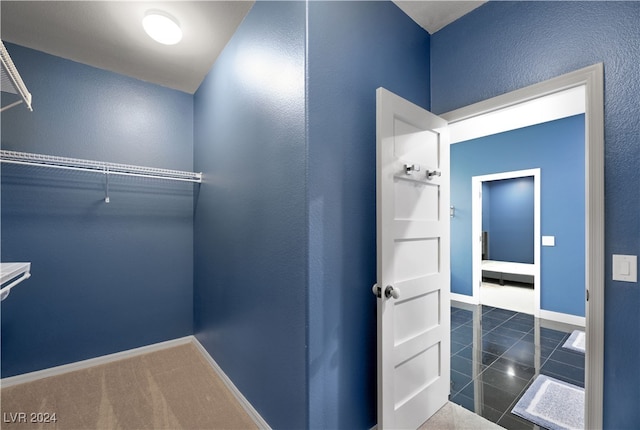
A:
(325, 178)
(105, 277)
(557, 148)
(354, 48)
(503, 46)
(250, 284)
(510, 218)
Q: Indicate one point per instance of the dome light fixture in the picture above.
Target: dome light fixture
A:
(162, 27)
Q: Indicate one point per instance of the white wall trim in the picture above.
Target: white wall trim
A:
(249, 409)
(563, 318)
(537, 111)
(592, 78)
(84, 364)
(464, 298)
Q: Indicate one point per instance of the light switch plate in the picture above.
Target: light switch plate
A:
(548, 241)
(625, 268)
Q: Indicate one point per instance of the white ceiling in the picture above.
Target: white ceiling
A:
(109, 34)
(434, 15)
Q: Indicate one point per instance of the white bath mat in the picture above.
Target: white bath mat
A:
(552, 404)
(575, 342)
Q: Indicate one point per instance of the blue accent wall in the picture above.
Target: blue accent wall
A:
(503, 46)
(557, 148)
(511, 217)
(250, 284)
(353, 48)
(105, 277)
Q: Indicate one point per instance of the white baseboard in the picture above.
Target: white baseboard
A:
(79, 365)
(249, 409)
(464, 298)
(563, 318)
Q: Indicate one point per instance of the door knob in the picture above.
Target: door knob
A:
(376, 291)
(391, 292)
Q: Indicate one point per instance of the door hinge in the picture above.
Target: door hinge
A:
(587, 295)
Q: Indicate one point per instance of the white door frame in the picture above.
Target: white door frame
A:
(476, 228)
(591, 78)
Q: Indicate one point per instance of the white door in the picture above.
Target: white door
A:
(413, 279)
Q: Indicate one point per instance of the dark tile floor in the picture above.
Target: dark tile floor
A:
(496, 354)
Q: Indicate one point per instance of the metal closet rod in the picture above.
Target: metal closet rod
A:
(29, 159)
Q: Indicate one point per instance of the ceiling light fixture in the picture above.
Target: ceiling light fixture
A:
(162, 27)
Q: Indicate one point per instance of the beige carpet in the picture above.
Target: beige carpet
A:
(170, 389)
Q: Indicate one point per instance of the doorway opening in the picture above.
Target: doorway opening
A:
(587, 83)
(506, 256)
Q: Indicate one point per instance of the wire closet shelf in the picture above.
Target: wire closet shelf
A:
(29, 159)
(11, 82)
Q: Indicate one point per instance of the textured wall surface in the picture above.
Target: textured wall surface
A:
(557, 148)
(250, 235)
(503, 46)
(105, 277)
(354, 48)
